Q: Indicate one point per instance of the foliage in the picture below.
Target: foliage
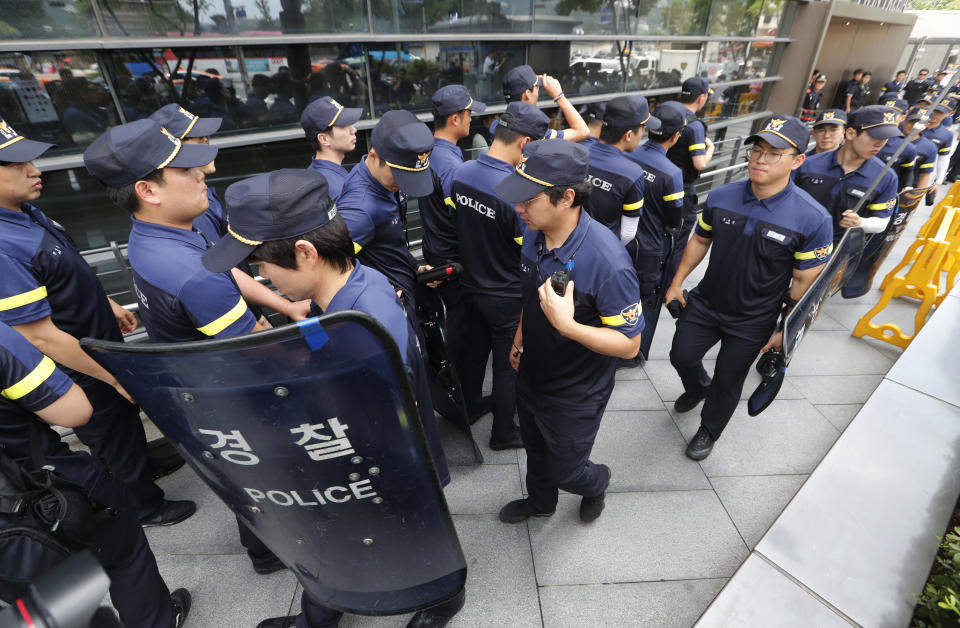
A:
(934, 5)
(938, 606)
(266, 16)
(420, 69)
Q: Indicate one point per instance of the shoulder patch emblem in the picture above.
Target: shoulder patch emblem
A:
(631, 314)
(822, 252)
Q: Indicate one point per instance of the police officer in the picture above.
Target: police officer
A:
(566, 346)
(907, 160)
(839, 179)
(811, 99)
(692, 153)
(764, 235)
(895, 86)
(926, 150)
(593, 115)
(662, 213)
(35, 395)
(329, 127)
(373, 200)
(52, 296)
(938, 132)
(490, 254)
(828, 131)
(523, 84)
(916, 88)
(857, 92)
(284, 221)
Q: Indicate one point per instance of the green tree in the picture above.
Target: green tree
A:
(266, 18)
(934, 5)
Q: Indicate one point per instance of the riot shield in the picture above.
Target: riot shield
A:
(445, 386)
(878, 246)
(310, 433)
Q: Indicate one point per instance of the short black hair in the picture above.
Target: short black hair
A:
(332, 241)
(866, 74)
(507, 136)
(901, 72)
(924, 70)
(613, 134)
(580, 193)
(314, 144)
(858, 71)
(688, 98)
(440, 122)
(125, 197)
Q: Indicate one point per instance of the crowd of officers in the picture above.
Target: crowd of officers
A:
(570, 242)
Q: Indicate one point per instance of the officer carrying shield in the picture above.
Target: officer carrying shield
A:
(926, 150)
(938, 132)
(581, 311)
(662, 213)
(839, 179)
(907, 160)
(52, 296)
(828, 131)
(768, 241)
(330, 131)
(285, 222)
(35, 395)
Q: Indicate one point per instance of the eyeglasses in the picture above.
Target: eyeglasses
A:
(768, 156)
(527, 202)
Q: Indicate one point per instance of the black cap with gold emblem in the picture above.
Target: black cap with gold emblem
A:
(831, 116)
(544, 164)
(15, 148)
(405, 144)
(783, 132)
(878, 121)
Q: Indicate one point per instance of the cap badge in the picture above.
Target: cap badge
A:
(522, 164)
(888, 117)
(186, 113)
(828, 115)
(776, 124)
(423, 160)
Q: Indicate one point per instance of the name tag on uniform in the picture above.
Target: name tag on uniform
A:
(856, 192)
(773, 235)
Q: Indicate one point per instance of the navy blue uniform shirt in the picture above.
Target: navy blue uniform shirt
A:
(437, 210)
(212, 223)
(926, 157)
(822, 177)
(180, 300)
(556, 370)
(905, 163)
(335, 174)
(43, 274)
(692, 142)
(941, 137)
(662, 196)
(617, 186)
(376, 218)
(756, 246)
(490, 248)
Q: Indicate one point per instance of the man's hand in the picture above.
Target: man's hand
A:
(708, 143)
(515, 354)
(123, 391)
(850, 219)
(298, 310)
(265, 323)
(551, 86)
(674, 293)
(558, 310)
(775, 342)
(426, 267)
(125, 319)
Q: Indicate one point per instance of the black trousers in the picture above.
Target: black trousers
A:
(491, 323)
(115, 436)
(558, 440)
(681, 239)
(651, 267)
(698, 329)
(451, 292)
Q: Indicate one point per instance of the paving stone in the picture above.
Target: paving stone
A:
(668, 385)
(900, 312)
(840, 415)
(633, 373)
(663, 340)
(639, 537)
(819, 352)
(825, 322)
(481, 488)
(833, 389)
(755, 502)
(634, 395)
(640, 604)
(789, 437)
(458, 450)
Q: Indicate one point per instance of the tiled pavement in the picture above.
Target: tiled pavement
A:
(673, 531)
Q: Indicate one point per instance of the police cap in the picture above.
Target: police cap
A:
(544, 164)
(450, 99)
(518, 80)
(183, 124)
(693, 87)
(525, 118)
(326, 112)
(783, 132)
(831, 116)
(15, 148)
(673, 118)
(405, 144)
(878, 121)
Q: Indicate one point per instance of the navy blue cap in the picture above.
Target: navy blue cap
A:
(899, 104)
(405, 144)
(525, 118)
(640, 103)
(887, 97)
(450, 99)
(627, 112)
(544, 164)
(916, 113)
(693, 87)
(783, 132)
(183, 124)
(831, 116)
(271, 206)
(519, 80)
(673, 118)
(326, 112)
(16, 149)
(127, 153)
(878, 121)
(594, 111)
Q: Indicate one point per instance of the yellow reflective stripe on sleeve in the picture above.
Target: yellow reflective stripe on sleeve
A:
(877, 207)
(927, 165)
(519, 240)
(909, 165)
(33, 379)
(673, 197)
(703, 223)
(629, 207)
(802, 255)
(945, 149)
(356, 248)
(215, 327)
(446, 201)
(24, 298)
(551, 135)
(614, 320)
(698, 147)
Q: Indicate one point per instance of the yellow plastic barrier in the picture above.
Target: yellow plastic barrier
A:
(922, 281)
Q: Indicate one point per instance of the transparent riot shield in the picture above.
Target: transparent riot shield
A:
(310, 433)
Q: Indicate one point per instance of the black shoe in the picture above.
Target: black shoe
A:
(513, 441)
(519, 510)
(180, 600)
(700, 445)
(591, 507)
(477, 412)
(162, 458)
(271, 567)
(686, 402)
(426, 619)
(279, 622)
(170, 513)
(630, 363)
